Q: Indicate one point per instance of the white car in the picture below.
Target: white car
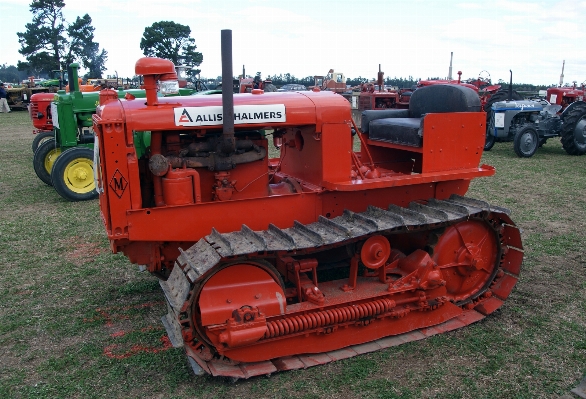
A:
(292, 87)
(37, 82)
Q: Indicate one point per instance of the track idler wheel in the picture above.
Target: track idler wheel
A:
(375, 252)
(468, 255)
(234, 302)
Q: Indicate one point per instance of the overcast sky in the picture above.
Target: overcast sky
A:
(306, 38)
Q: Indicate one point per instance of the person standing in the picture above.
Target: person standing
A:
(3, 103)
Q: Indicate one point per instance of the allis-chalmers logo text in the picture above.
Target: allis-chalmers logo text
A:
(243, 114)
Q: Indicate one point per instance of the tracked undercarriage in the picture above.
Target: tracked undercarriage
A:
(465, 263)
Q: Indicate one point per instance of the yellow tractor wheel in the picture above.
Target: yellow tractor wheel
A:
(44, 159)
(73, 174)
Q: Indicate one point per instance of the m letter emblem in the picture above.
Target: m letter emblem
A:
(118, 184)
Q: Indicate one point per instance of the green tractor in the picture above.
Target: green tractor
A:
(57, 79)
(65, 160)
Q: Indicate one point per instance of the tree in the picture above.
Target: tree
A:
(81, 45)
(50, 43)
(9, 74)
(97, 65)
(38, 64)
(171, 41)
(43, 38)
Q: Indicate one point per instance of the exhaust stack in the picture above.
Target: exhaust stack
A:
(450, 71)
(227, 144)
(562, 75)
(380, 78)
(511, 87)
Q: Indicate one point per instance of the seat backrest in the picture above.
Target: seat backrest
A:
(443, 98)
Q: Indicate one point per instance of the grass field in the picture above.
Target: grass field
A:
(79, 322)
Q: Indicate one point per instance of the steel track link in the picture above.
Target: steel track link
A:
(197, 263)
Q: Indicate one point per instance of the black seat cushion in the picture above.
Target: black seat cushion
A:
(371, 115)
(406, 131)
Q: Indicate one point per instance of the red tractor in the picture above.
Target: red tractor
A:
(249, 84)
(40, 113)
(376, 97)
(564, 96)
(482, 85)
(246, 85)
(333, 81)
(319, 253)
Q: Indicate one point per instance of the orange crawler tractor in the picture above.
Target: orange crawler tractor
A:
(318, 254)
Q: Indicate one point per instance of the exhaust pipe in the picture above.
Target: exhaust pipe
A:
(72, 70)
(227, 142)
(380, 79)
(511, 87)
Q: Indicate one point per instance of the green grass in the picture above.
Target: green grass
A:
(61, 307)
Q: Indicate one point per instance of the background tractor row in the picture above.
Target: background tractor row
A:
(529, 124)
(18, 97)
(64, 136)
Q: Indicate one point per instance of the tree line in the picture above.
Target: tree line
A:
(12, 74)
(287, 78)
